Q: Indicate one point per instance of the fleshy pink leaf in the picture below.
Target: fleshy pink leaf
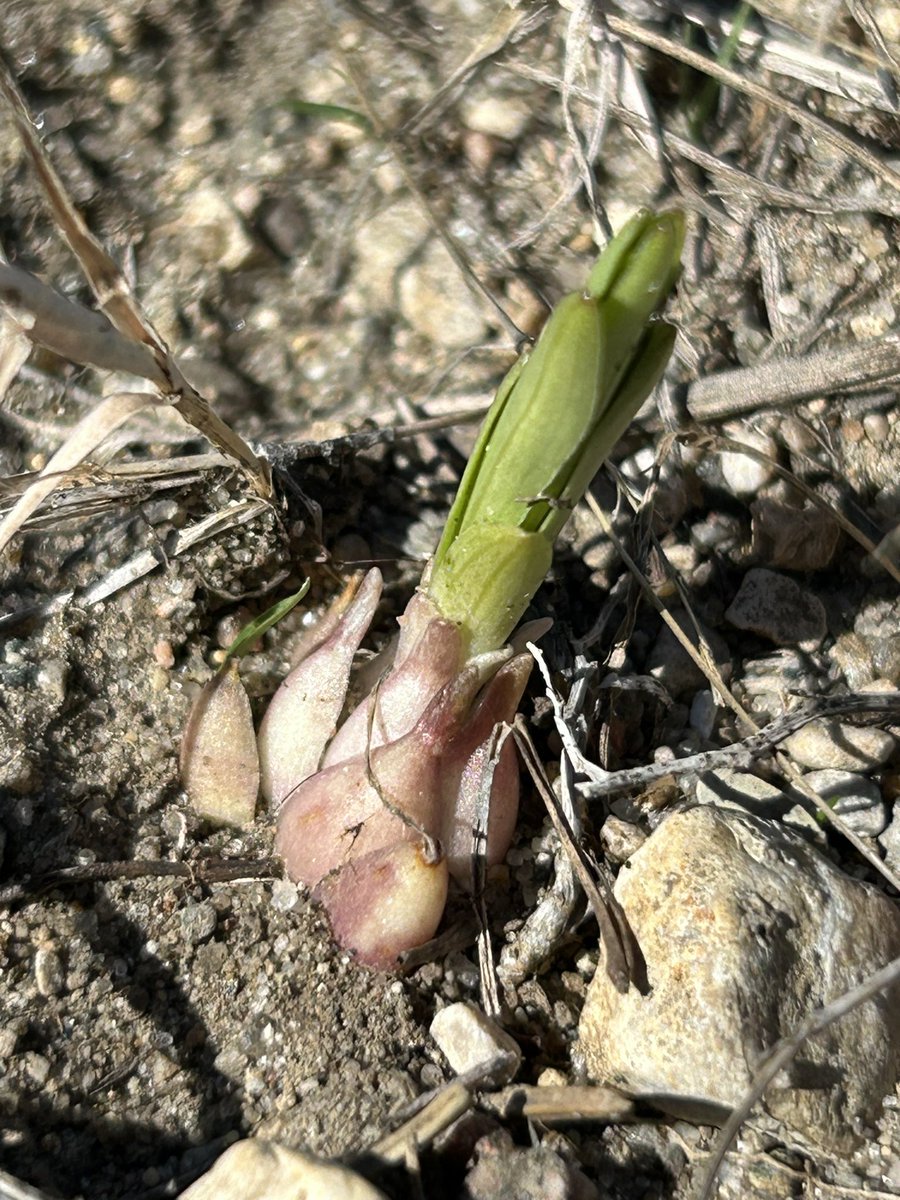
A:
(303, 713)
(219, 762)
(386, 902)
(418, 674)
(462, 767)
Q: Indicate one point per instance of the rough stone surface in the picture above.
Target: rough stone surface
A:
(729, 788)
(889, 841)
(842, 747)
(745, 930)
(502, 1170)
(469, 1038)
(258, 1170)
(436, 300)
(777, 608)
(798, 539)
(855, 799)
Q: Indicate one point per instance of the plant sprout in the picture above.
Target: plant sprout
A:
(377, 813)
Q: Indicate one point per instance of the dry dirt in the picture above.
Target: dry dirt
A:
(146, 1022)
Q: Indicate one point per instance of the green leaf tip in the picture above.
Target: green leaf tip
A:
(556, 417)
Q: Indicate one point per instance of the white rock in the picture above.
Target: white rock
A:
(842, 747)
(855, 799)
(498, 117)
(257, 1170)
(743, 474)
(468, 1039)
(745, 929)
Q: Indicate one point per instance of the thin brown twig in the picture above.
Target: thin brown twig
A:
(208, 871)
(618, 947)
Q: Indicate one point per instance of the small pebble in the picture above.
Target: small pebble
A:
(284, 895)
(37, 1068)
(776, 608)
(198, 921)
(744, 475)
(671, 665)
(468, 1038)
(856, 800)
(52, 678)
(729, 788)
(704, 710)
(436, 301)
(498, 117)
(48, 973)
(620, 839)
(798, 539)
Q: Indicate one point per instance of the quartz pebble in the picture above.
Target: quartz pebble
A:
(743, 474)
(735, 916)
(775, 607)
(469, 1039)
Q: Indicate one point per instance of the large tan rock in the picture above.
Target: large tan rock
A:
(746, 929)
(257, 1170)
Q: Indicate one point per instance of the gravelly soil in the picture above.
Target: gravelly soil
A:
(146, 1022)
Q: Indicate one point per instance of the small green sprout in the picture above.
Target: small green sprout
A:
(556, 417)
(253, 630)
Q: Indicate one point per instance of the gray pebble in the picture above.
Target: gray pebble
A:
(704, 710)
(856, 800)
(889, 841)
(198, 921)
(670, 663)
(728, 788)
(775, 607)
